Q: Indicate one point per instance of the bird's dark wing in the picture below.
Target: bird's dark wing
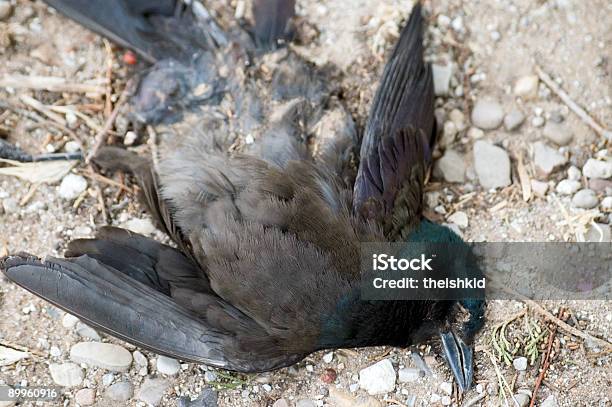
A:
(183, 322)
(396, 146)
(156, 29)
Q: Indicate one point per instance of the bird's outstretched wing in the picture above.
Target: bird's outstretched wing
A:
(396, 146)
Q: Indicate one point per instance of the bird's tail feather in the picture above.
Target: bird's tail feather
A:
(272, 21)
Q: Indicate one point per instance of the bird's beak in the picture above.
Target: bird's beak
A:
(460, 359)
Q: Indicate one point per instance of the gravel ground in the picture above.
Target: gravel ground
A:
(506, 137)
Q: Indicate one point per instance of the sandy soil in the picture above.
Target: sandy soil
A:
(496, 43)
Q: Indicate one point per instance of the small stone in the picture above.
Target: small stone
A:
(66, 374)
(69, 321)
(598, 233)
(539, 188)
(514, 119)
(549, 402)
(281, 403)
(107, 379)
(527, 86)
(329, 376)
(305, 403)
(597, 169)
(167, 366)
(85, 397)
(556, 117)
(10, 205)
(459, 218)
(520, 364)
(538, 121)
(475, 133)
(87, 332)
(574, 173)
(72, 186)
(105, 355)
(378, 378)
(72, 147)
(585, 198)
(130, 138)
(140, 226)
(449, 134)
(492, 165)
(522, 399)
(328, 357)
(601, 185)
(447, 388)
(607, 203)
(450, 167)
(210, 377)
(458, 118)
(432, 199)
(568, 187)
(152, 390)
(457, 24)
(410, 374)
(446, 401)
(340, 398)
(559, 134)
(121, 391)
(547, 159)
(441, 76)
(208, 398)
(55, 352)
(487, 114)
(6, 9)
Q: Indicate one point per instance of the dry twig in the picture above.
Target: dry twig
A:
(50, 83)
(545, 364)
(579, 111)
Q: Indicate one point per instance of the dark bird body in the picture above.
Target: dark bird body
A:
(266, 266)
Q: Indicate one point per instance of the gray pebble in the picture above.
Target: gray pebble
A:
(10, 205)
(539, 188)
(492, 165)
(520, 364)
(527, 86)
(107, 379)
(121, 391)
(72, 186)
(6, 10)
(446, 401)
(547, 159)
(85, 397)
(522, 399)
(378, 378)
(140, 359)
(210, 377)
(538, 121)
(585, 198)
(450, 167)
(459, 218)
(55, 352)
(69, 321)
(447, 388)
(305, 403)
(152, 390)
(72, 147)
(568, 187)
(87, 331)
(441, 76)
(574, 173)
(607, 203)
(410, 374)
(597, 169)
(105, 355)
(549, 402)
(208, 398)
(167, 366)
(601, 185)
(558, 134)
(514, 119)
(556, 117)
(66, 374)
(281, 403)
(487, 114)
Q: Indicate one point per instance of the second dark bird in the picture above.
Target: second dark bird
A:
(266, 265)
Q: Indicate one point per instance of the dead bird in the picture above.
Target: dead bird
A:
(266, 268)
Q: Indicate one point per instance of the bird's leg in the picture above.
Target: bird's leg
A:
(459, 357)
(9, 151)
